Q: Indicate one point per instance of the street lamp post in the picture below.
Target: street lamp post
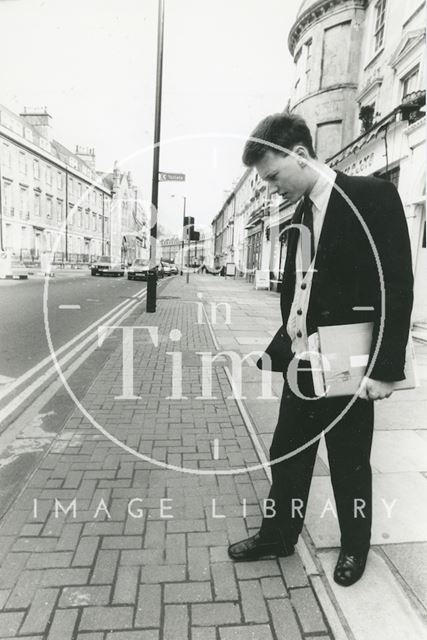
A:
(152, 276)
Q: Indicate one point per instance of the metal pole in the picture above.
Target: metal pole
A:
(152, 276)
(188, 258)
(183, 235)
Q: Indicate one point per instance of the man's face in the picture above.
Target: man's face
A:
(284, 174)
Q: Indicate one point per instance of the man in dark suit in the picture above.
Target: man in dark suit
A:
(358, 270)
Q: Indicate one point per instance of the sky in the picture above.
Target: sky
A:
(92, 63)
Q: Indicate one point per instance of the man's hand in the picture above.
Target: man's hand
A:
(375, 389)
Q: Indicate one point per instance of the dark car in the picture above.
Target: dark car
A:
(107, 267)
(140, 268)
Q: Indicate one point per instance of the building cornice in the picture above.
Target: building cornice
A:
(316, 12)
(334, 87)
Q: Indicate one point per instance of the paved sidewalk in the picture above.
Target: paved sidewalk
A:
(123, 577)
(121, 569)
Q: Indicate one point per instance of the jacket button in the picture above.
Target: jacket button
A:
(299, 312)
(303, 286)
(299, 334)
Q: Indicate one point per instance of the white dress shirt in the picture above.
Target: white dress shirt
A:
(297, 326)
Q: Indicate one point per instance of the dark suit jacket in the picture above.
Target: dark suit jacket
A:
(347, 273)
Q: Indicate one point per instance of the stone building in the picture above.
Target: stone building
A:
(325, 42)
(388, 129)
(54, 201)
(51, 199)
(360, 83)
(129, 230)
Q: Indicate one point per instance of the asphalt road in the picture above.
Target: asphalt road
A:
(23, 340)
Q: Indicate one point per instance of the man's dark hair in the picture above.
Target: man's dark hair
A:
(282, 129)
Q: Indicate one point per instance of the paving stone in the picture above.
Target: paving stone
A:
(108, 618)
(85, 596)
(253, 605)
(121, 542)
(175, 622)
(273, 588)
(141, 556)
(162, 573)
(40, 612)
(62, 627)
(208, 539)
(215, 614)
(188, 592)
(198, 564)
(151, 634)
(148, 610)
(60, 577)
(50, 560)
(224, 580)
(11, 567)
(284, 617)
(126, 585)
(85, 552)
(23, 592)
(308, 610)
(9, 623)
(293, 571)
(105, 567)
(250, 632)
(260, 569)
(203, 633)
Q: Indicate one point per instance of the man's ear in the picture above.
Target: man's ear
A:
(302, 154)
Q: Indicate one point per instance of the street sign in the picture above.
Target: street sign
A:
(176, 177)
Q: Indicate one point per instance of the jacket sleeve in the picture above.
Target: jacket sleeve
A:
(389, 232)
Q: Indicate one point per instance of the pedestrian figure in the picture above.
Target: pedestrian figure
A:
(338, 285)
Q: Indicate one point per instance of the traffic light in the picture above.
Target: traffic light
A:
(195, 235)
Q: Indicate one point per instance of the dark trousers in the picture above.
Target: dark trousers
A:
(349, 447)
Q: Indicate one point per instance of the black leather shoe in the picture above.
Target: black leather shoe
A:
(349, 568)
(255, 548)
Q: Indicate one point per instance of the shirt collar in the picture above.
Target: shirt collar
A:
(319, 195)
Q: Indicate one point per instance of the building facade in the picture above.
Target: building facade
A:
(52, 200)
(388, 129)
(360, 83)
(325, 42)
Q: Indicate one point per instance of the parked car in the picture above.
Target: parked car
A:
(167, 268)
(174, 270)
(140, 268)
(106, 267)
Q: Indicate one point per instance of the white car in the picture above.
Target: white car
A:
(140, 268)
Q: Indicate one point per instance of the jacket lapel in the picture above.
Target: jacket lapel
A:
(330, 232)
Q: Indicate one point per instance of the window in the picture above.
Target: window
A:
(59, 180)
(36, 169)
(48, 175)
(59, 211)
(22, 163)
(49, 209)
(79, 187)
(8, 209)
(308, 48)
(328, 138)
(379, 24)
(23, 202)
(37, 204)
(93, 221)
(80, 220)
(7, 159)
(336, 54)
(87, 224)
(71, 184)
(410, 82)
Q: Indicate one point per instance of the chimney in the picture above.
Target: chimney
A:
(87, 154)
(39, 118)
